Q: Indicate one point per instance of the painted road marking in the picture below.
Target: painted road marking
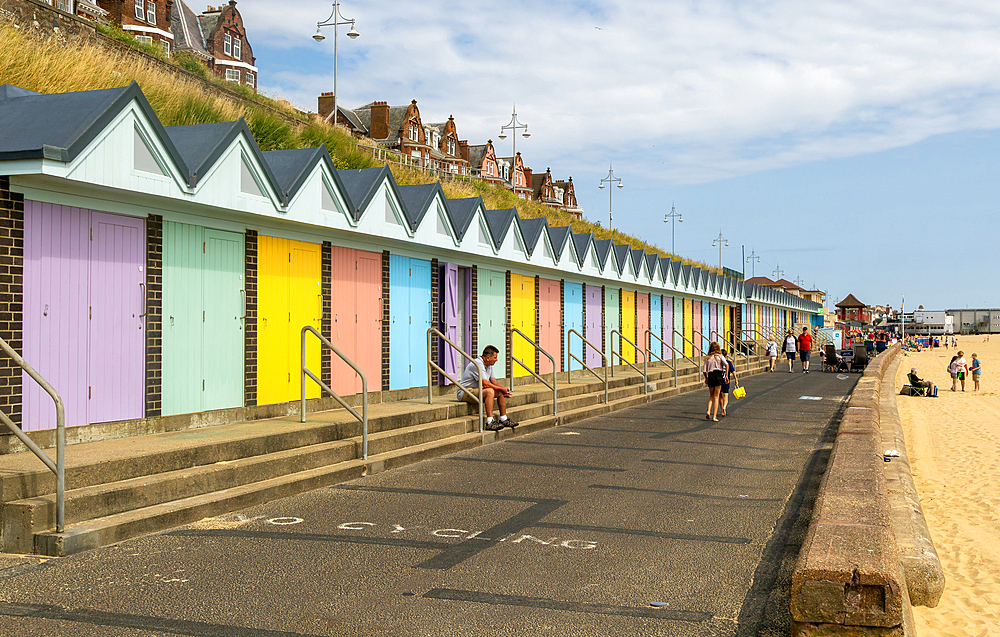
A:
(466, 534)
(285, 521)
(810, 398)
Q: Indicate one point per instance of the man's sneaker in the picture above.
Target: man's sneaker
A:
(493, 426)
(508, 423)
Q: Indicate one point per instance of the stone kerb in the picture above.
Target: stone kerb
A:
(848, 579)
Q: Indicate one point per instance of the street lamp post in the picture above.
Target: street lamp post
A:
(610, 179)
(753, 260)
(335, 20)
(671, 217)
(514, 126)
(777, 271)
(719, 240)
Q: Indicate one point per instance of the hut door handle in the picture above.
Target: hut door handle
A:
(243, 296)
(143, 286)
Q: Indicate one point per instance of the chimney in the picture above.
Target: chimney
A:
(527, 177)
(463, 149)
(379, 128)
(325, 106)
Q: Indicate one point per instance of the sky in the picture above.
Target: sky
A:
(851, 145)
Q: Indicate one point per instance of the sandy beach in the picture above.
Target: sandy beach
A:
(954, 447)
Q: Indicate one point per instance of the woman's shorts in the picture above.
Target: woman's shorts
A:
(715, 378)
(954, 374)
(790, 355)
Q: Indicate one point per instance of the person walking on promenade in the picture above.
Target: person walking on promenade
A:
(963, 368)
(714, 372)
(805, 348)
(772, 354)
(976, 370)
(790, 349)
(730, 378)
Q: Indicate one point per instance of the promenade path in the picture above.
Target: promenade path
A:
(647, 521)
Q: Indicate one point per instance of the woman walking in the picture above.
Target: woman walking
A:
(714, 371)
(730, 378)
(790, 349)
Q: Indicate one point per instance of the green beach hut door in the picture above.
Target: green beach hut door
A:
(202, 318)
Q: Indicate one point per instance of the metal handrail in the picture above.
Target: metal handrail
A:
(732, 339)
(513, 331)
(363, 417)
(476, 361)
(621, 337)
(59, 466)
(650, 335)
(604, 359)
(701, 353)
(731, 344)
(673, 364)
(693, 332)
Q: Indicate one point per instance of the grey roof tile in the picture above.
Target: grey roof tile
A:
(462, 212)
(292, 167)
(559, 236)
(361, 184)
(603, 247)
(531, 230)
(499, 222)
(581, 243)
(622, 256)
(417, 201)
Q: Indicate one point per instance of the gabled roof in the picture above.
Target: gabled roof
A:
(686, 271)
(851, 301)
(417, 201)
(581, 243)
(292, 167)
(531, 230)
(652, 263)
(637, 259)
(361, 184)
(499, 222)
(760, 280)
(462, 212)
(396, 116)
(603, 248)
(201, 145)
(36, 125)
(187, 30)
(621, 256)
(559, 235)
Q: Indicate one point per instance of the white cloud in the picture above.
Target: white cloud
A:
(677, 91)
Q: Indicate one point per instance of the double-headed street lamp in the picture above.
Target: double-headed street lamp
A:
(514, 126)
(671, 217)
(718, 240)
(753, 260)
(610, 179)
(335, 20)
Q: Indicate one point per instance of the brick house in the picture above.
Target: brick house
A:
(557, 194)
(446, 147)
(483, 163)
(147, 20)
(218, 38)
(518, 178)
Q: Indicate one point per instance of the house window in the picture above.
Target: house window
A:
(150, 12)
(232, 75)
(236, 48)
(250, 78)
(65, 5)
(145, 39)
(228, 46)
(413, 131)
(166, 46)
(139, 9)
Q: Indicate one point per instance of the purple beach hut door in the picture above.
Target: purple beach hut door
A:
(84, 275)
(449, 320)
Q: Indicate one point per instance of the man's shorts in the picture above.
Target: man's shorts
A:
(791, 355)
(975, 376)
(469, 399)
(804, 355)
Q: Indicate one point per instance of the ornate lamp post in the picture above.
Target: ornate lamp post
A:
(514, 126)
(753, 260)
(335, 20)
(610, 179)
(671, 217)
(719, 240)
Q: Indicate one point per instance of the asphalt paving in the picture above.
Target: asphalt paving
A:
(646, 521)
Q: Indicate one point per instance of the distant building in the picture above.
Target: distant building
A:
(853, 311)
(483, 163)
(976, 321)
(147, 20)
(218, 38)
(518, 177)
(557, 194)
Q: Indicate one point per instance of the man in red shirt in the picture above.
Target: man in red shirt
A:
(805, 343)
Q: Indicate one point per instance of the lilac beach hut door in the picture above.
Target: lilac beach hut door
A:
(84, 314)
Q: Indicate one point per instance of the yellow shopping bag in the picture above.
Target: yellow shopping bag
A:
(739, 392)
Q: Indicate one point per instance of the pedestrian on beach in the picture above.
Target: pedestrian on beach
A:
(805, 348)
(714, 372)
(976, 369)
(953, 370)
(963, 368)
(730, 379)
(790, 348)
(772, 354)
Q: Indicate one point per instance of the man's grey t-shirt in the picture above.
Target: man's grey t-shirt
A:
(470, 377)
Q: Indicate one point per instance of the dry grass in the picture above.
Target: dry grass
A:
(52, 67)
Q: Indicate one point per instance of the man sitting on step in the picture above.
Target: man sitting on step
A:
(490, 389)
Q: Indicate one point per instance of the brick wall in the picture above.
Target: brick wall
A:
(436, 316)
(250, 323)
(475, 312)
(11, 296)
(154, 315)
(538, 327)
(326, 323)
(506, 328)
(562, 325)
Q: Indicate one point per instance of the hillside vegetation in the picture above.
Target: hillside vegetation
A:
(178, 98)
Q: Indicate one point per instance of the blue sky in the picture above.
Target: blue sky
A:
(852, 144)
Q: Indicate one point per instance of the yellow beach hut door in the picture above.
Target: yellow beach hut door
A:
(289, 297)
